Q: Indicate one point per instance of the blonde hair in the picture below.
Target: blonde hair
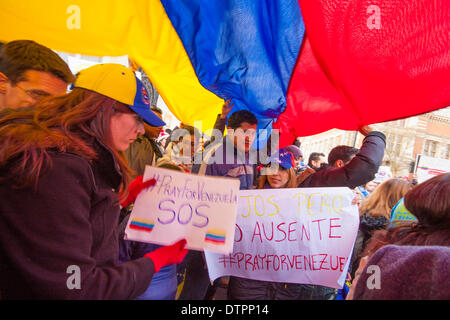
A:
(384, 198)
(292, 182)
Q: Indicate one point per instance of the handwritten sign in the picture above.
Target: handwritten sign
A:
(428, 167)
(200, 209)
(291, 235)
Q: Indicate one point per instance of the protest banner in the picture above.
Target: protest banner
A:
(291, 235)
(198, 208)
(429, 167)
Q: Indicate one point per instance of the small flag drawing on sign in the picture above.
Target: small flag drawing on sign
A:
(215, 236)
(142, 224)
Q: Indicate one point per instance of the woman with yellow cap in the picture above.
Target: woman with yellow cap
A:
(61, 171)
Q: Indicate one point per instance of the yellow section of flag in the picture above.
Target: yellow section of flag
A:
(138, 28)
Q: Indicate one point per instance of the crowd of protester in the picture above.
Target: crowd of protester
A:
(71, 166)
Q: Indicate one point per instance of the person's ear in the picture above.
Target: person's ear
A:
(338, 163)
(3, 82)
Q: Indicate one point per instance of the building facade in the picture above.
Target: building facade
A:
(427, 134)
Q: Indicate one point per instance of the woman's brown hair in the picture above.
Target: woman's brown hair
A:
(68, 123)
(384, 198)
(430, 203)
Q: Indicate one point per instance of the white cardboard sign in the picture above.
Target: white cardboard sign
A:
(200, 209)
(301, 235)
(429, 167)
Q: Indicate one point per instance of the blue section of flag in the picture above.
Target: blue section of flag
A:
(215, 237)
(244, 50)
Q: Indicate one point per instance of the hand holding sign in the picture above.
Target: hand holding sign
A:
(164, 256)
(292, 236)
(136, 186)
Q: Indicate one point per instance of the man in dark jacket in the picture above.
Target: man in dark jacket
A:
(356, 172)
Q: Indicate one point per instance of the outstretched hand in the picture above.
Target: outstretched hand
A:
(365, 130)
(226, 108)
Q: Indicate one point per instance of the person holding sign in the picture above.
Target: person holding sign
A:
(227, 158)
(164, 283)
(61, 169)
(243, 289)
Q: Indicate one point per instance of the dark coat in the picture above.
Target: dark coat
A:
(406, 273)
(360, 170)
(70, 219)
(367, 226)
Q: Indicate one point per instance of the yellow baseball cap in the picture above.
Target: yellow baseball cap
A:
(119, 83)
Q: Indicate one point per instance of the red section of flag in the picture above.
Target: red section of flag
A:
(352, 71)
(133, 226)
(215, 240)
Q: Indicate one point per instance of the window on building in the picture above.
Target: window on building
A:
(394, 145)
(398, 145)
(429, 148)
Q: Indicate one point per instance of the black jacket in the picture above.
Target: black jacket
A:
(143, 151)
(360, 170)
(69, 221)
(367, 226)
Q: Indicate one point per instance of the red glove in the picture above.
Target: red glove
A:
(136, 186)
(167, 255)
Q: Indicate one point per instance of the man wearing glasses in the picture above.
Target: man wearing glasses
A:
(30, 72)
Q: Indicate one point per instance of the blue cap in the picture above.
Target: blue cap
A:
(119, 83)
(143, 108)
(284, 158)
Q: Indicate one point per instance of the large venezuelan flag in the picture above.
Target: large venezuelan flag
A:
(302, 66)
